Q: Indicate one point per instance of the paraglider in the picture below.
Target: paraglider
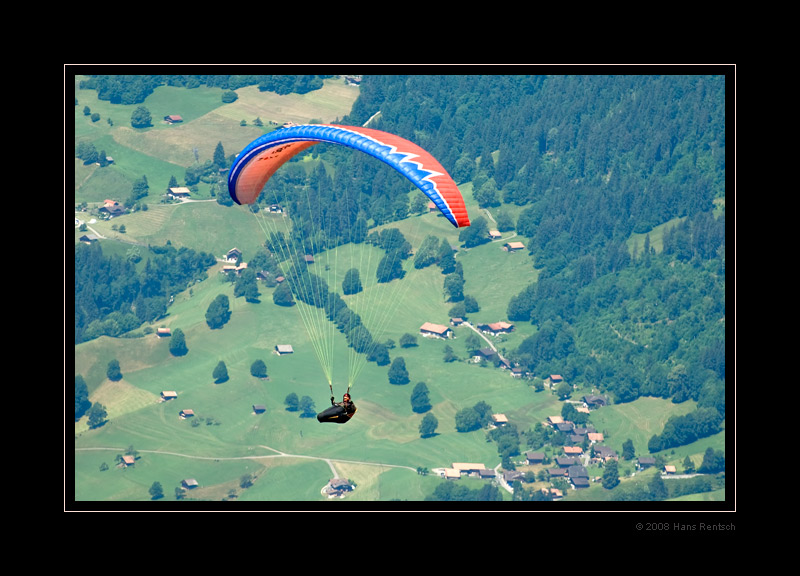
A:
(339, 412)
(259, 160)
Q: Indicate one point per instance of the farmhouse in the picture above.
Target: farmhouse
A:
(168, 395)
(468, 468)
(595, 437)
(128, 460)
(510, 475)
(577, 471)
(163, 332)
(565, 427)
(553, 493)
(513, 246)
(233, 255)
(172, 119)
(604, 454)
(500, 419)
(189, 483)
(646, 462)
(234, 269)
(517, 372)
(484, 354)
(115, 209)
(88, 238)
(594, 401)
(579, 483)
(494, 234)
(186, 413)
(496, 328)
(179, 193)
(282, 349)
(259, 408)
(534, 457)
(451, 474)
(435, 330)
(338, 486)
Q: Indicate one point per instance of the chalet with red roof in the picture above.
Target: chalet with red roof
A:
(435, 330)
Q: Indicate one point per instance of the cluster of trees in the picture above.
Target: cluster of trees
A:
(682, 430)
(88, 153)
(115, 294)
(135, 88)
(304, 405)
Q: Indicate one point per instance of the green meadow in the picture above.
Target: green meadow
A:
(288, 458)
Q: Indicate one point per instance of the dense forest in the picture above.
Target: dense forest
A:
(114, 295)
(592, 164)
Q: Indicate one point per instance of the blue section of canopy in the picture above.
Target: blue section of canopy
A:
(409, 163)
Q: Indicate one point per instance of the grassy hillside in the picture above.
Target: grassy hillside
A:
(289, 458)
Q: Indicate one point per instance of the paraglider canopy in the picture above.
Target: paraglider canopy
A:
(261, 158)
